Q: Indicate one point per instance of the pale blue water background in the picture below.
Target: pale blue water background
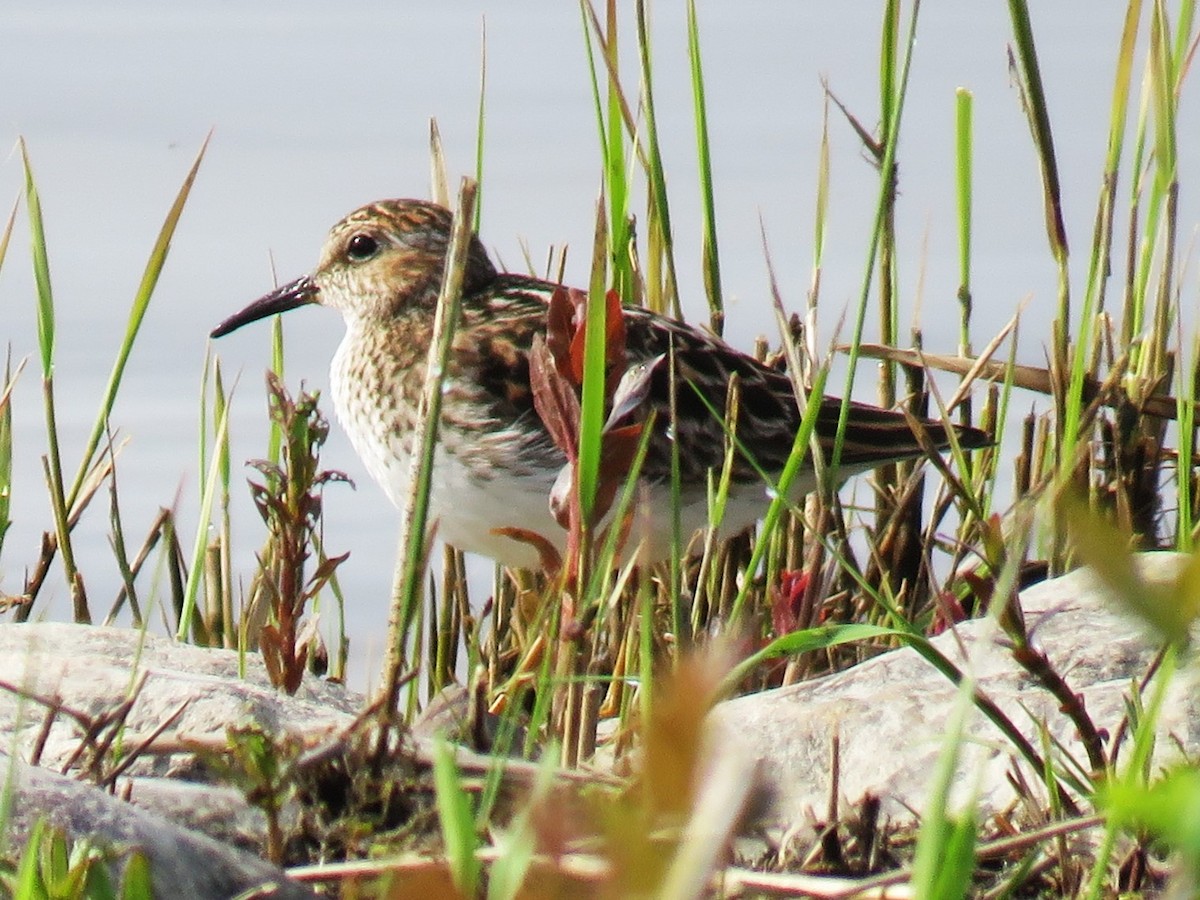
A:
(319, 107)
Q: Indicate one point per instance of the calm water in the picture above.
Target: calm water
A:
(317, 108)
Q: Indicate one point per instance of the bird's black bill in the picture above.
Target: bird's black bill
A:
(295, 293)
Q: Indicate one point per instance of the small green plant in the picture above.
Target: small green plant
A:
(262, 768)
(53, 867)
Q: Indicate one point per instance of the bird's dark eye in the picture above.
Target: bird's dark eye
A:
(362, 247)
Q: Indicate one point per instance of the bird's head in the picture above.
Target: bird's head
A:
(382, 262)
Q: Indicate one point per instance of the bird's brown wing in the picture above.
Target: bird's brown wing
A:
(506, 318)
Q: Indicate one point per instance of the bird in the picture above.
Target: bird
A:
(496, 463)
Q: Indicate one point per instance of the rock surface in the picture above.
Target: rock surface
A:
(90, 669)
(890, 712)
(191, 831)
(182, 863)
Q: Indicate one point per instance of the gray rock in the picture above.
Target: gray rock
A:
(219, 812)
(182, 818)
(91, 669)
(182, 863)
(891, 712)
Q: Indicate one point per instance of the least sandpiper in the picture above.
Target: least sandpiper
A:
(495, 464)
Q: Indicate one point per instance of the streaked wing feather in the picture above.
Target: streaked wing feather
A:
(504, 319)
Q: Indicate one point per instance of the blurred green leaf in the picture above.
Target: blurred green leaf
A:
(1169, 609)
(457, 820)
(1170, 808)
(518, 843)
(945, 854)
(136, 882)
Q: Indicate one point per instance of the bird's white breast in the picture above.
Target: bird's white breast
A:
(465, 507)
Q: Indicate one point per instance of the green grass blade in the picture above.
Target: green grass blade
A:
(964, 109)
(479, 122)
(1166, 86)
(224, 584)
(137, 882)
(1184, 39)
(508, 872)
(456, 819)
(607, 552)
(886, 187)
(591, 408)
(712, 260)
(661, 234)
(781, 489)
(6, 459)
(1037, 111)
(141, 301)
(202, 425)
(612, 124)
(889, 33)
(6, 445)
(28, 883)
(820, 223)
(1186, 413)
(1098, 263)
(805, 640)
(8, 230)
(890, 106)
(275, 439)
(41, 270)
(588, 15)
(1131, 782)
(46, 339)
(616, 177)
(196, 564)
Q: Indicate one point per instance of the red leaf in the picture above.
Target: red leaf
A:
(614, 331)
(983, 587)
(616, 456)
(948, 613)
(560, 329)
(554, 398)
(787, 601)
(579, 337)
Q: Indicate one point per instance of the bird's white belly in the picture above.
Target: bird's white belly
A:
(467, 510)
